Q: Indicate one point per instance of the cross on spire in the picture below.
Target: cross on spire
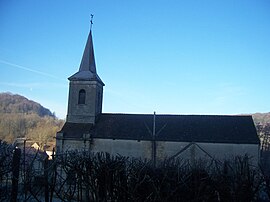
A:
(91, 21)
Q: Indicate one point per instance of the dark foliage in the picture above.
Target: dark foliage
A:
(101, 177)
(87, 176)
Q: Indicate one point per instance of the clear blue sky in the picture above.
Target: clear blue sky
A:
(172, 57)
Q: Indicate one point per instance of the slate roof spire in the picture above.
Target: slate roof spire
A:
(88, 60)
(87, 70)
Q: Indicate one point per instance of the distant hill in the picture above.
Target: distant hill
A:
(262, 123)
(262, 118)
(21, 117)
(13, 103)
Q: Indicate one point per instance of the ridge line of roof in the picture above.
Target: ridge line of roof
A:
(210, 115)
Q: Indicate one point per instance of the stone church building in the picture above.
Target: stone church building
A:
(147, 136)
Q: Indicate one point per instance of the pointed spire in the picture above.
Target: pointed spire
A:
(88, 60)
(87, 70)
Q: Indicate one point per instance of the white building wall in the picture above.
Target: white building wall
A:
(143, 149)
(164, 149)
(219, 151)
(132, 148)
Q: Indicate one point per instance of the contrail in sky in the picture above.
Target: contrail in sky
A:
(29, 69)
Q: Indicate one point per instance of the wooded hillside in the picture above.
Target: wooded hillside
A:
(13, 103)
(20, 117)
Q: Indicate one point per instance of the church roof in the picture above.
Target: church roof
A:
(87, 70)
(179, 128)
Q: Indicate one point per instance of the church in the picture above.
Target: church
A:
(147, 136)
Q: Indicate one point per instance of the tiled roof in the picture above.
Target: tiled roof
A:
(183, 128)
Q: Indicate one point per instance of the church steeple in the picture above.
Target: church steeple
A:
(88, 60)
(87, 70)
(85, 89)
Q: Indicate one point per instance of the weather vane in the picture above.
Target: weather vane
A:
(91, 21)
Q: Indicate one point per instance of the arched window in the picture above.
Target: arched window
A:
(81, 97)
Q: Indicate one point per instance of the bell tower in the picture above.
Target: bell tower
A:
(85, 89)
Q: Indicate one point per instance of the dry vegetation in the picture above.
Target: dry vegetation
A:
(20, 117)
(261, 118)
(84, 176)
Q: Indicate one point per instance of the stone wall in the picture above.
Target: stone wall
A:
(84, 113)
(143, 149)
